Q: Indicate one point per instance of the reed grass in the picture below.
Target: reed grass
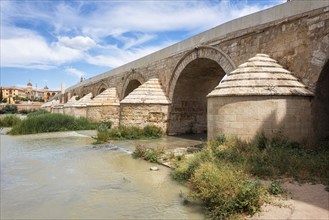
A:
(9, 120)
(46, 122)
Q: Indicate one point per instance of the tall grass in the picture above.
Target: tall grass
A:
(102, 133)
(277, 157)
(223, 173)
(9, 121)
(149, 154)
(46, 122)
(133, 132)
(37, 112)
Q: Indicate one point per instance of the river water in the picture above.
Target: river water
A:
(63, 176)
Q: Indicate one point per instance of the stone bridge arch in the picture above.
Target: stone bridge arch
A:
(207, 52)
(196, 74)
(100, 89)
(132, 81)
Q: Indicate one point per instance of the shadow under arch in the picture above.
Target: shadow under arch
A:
(209, 52)
(100, 89)
(133, 81)
(194, 77)
(321, 106)
(188, 112)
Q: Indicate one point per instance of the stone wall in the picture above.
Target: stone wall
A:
(59, 110)
(80, 111)
(28, 107)
(104, 114)
(245, 116)
(68, 110)
(144, 114)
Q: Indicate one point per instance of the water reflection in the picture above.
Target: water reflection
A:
(61, 176)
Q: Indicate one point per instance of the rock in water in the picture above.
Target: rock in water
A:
(154, 168)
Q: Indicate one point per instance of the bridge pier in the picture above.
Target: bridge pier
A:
(146, 105)
(261, 96)
(105, 107)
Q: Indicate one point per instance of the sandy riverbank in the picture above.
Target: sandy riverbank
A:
(304, 201)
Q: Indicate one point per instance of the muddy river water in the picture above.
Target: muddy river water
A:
(63, 176)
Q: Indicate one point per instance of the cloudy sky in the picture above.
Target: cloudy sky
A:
(50, 42)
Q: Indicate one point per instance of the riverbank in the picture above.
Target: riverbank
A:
(303, 201)
(224, 174)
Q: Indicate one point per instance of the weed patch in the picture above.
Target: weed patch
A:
(222, 173)
(46, 122)
(132, 132)
(151, 155)
(37, 112)
(103, 133)
(276, 188)
(9, 121)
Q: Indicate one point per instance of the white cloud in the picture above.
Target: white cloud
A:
(74, 72)
(113, 18)
(26, 49)
(112, 56)
(140, 39)
(78, 42)
(82, 35)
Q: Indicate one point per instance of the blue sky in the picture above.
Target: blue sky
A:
(54, 42)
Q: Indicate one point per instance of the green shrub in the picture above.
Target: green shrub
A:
(50, 123)
(225, 191)
(276, 188)
(108, 124)
(151, 155)
(218, 173)
(261, 141)
(9, 109)
(9, 121)
(249, 198)
(152, 131)
(103, 133)
(139, 152)
(275, 157)
(25, 111)
(126, 132)
(187, 166)
(37, 112)
(133, 132)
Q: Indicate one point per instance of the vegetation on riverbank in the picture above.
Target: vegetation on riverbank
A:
(105, 133)
(9, 120)
(42, 121)
(8, 109)
(151, 155)
(223, 173)
(226, 173)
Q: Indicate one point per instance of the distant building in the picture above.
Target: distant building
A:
(14, 94)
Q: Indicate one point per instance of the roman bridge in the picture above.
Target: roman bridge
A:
(173, 83)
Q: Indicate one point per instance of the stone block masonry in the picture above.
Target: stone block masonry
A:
(144, 114)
